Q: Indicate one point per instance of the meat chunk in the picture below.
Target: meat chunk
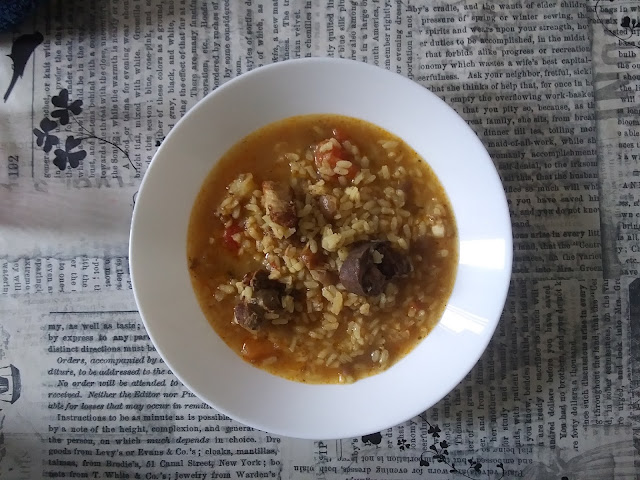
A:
(328, 205)
(325, 277)
(318, 267)
(269, 299)
(370, 266)
(278, 202)
(249, 316)
(312, 260)
(267, 293)
(259, 280)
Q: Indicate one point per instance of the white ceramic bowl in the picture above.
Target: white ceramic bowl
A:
(168, 306)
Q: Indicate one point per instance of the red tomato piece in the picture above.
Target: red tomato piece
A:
(227, 237)
(332, 156)
(339, 135)
(255, 349)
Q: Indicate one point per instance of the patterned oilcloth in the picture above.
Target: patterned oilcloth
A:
(12, 12)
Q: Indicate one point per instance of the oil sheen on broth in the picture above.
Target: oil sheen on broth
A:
(322, 248)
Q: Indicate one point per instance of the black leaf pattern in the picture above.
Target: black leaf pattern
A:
(628, 24)
(403, 444)
(64, 108)
(64, 112)
(44, 138)
(440, 449)
(68, 156)
(62, 99)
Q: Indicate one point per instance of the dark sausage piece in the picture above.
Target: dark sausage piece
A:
(249, 316)
(360, 275)
(394, 264)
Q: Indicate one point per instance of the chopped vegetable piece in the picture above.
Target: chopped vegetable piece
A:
(228, 240)
(256, 349)
(328, 153)
(339, 135)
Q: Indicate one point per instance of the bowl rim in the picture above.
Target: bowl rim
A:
(501, 289)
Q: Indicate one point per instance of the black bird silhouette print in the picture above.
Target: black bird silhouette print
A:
(21, 50)
(372, 439)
